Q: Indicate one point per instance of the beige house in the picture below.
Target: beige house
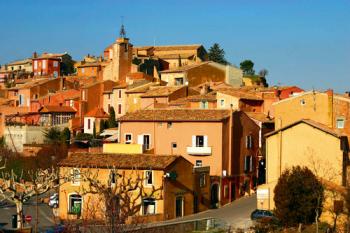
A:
(174, 55)
(165, 186)
(198, 73)
(305, 143)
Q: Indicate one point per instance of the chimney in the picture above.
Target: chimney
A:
(35, 55)
(330, 92)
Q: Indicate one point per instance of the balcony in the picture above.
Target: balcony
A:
(193, 150)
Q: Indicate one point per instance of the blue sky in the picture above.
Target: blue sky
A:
(300, 42)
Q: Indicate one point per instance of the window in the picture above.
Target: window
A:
(109, 108)
(113, 177)
(120, 94)
(249, 142)
(75, 172)
(82, 70)
(84, 95)
(146, 142)
(148, 177)
(128, 138)
(55, 64)
(179, 206)
(202, 181)
(179, 81)
(35, 64)
(204, 104)
(248, 164)
(89, 124)
(199, 141)
(149, 206)
(109, 96)
(44, 64)
(226, 191)
(198, 163)
(340, 123)
(173, 145)
(169, 125)
(21, 99)
(75, 204)
(119, 109)
(302, 102)
(55, 74)
(71, 103)
(222, 102)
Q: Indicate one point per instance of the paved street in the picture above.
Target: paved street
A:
(236, 214)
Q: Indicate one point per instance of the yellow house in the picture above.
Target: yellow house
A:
(305, 143)
(157, 187)
(317, 106)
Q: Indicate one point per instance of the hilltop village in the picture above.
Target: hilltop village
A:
(180, 132)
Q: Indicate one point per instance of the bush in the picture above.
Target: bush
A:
(298, 196)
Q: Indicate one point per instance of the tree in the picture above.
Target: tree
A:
(120, 195)
(65, 135)
(217, 54)
(263, 73)
(298, 197)
(111, 121)
(17, 190)
(247, 67)
(52, 135)
(94, 131)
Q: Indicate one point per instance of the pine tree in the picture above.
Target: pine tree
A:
(247, 67)
(217, 54)
(111, 121)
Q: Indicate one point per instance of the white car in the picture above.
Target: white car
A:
(53, 202)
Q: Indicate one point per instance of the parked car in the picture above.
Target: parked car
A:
(262, 215)
(53, 202)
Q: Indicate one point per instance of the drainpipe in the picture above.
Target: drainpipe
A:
(280, 146)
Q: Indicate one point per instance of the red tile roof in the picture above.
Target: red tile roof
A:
(97, 113)
(160, 91)
(59, 109)
(121, 161)
(179, 115)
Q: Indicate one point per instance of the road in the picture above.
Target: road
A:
(235, 214)
(46, 216)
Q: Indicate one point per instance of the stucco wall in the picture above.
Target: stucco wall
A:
(302, 145)
(306, 106)
(180, 133)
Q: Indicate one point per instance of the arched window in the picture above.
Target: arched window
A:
(75, 204)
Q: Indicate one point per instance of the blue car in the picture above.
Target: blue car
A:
(262, 214)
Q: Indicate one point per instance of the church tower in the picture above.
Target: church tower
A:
(121, 62)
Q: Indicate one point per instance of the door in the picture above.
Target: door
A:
(146, 142)
(233, 191)
(214, 196)
(195, 203)
(179, 206)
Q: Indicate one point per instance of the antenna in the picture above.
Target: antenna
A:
(122, 31)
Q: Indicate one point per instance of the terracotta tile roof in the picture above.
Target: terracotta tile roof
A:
(139, 75)
(97, 113)
(54, 108)
(317, 125)
(185, 68)
(161, 91)
(179, 102)
(169, 47)
(240, 93)
(210, 97)
(259, 116)
(31, 83)
(20, 62)
(121, 161)
(184, 115)
(51, 56)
